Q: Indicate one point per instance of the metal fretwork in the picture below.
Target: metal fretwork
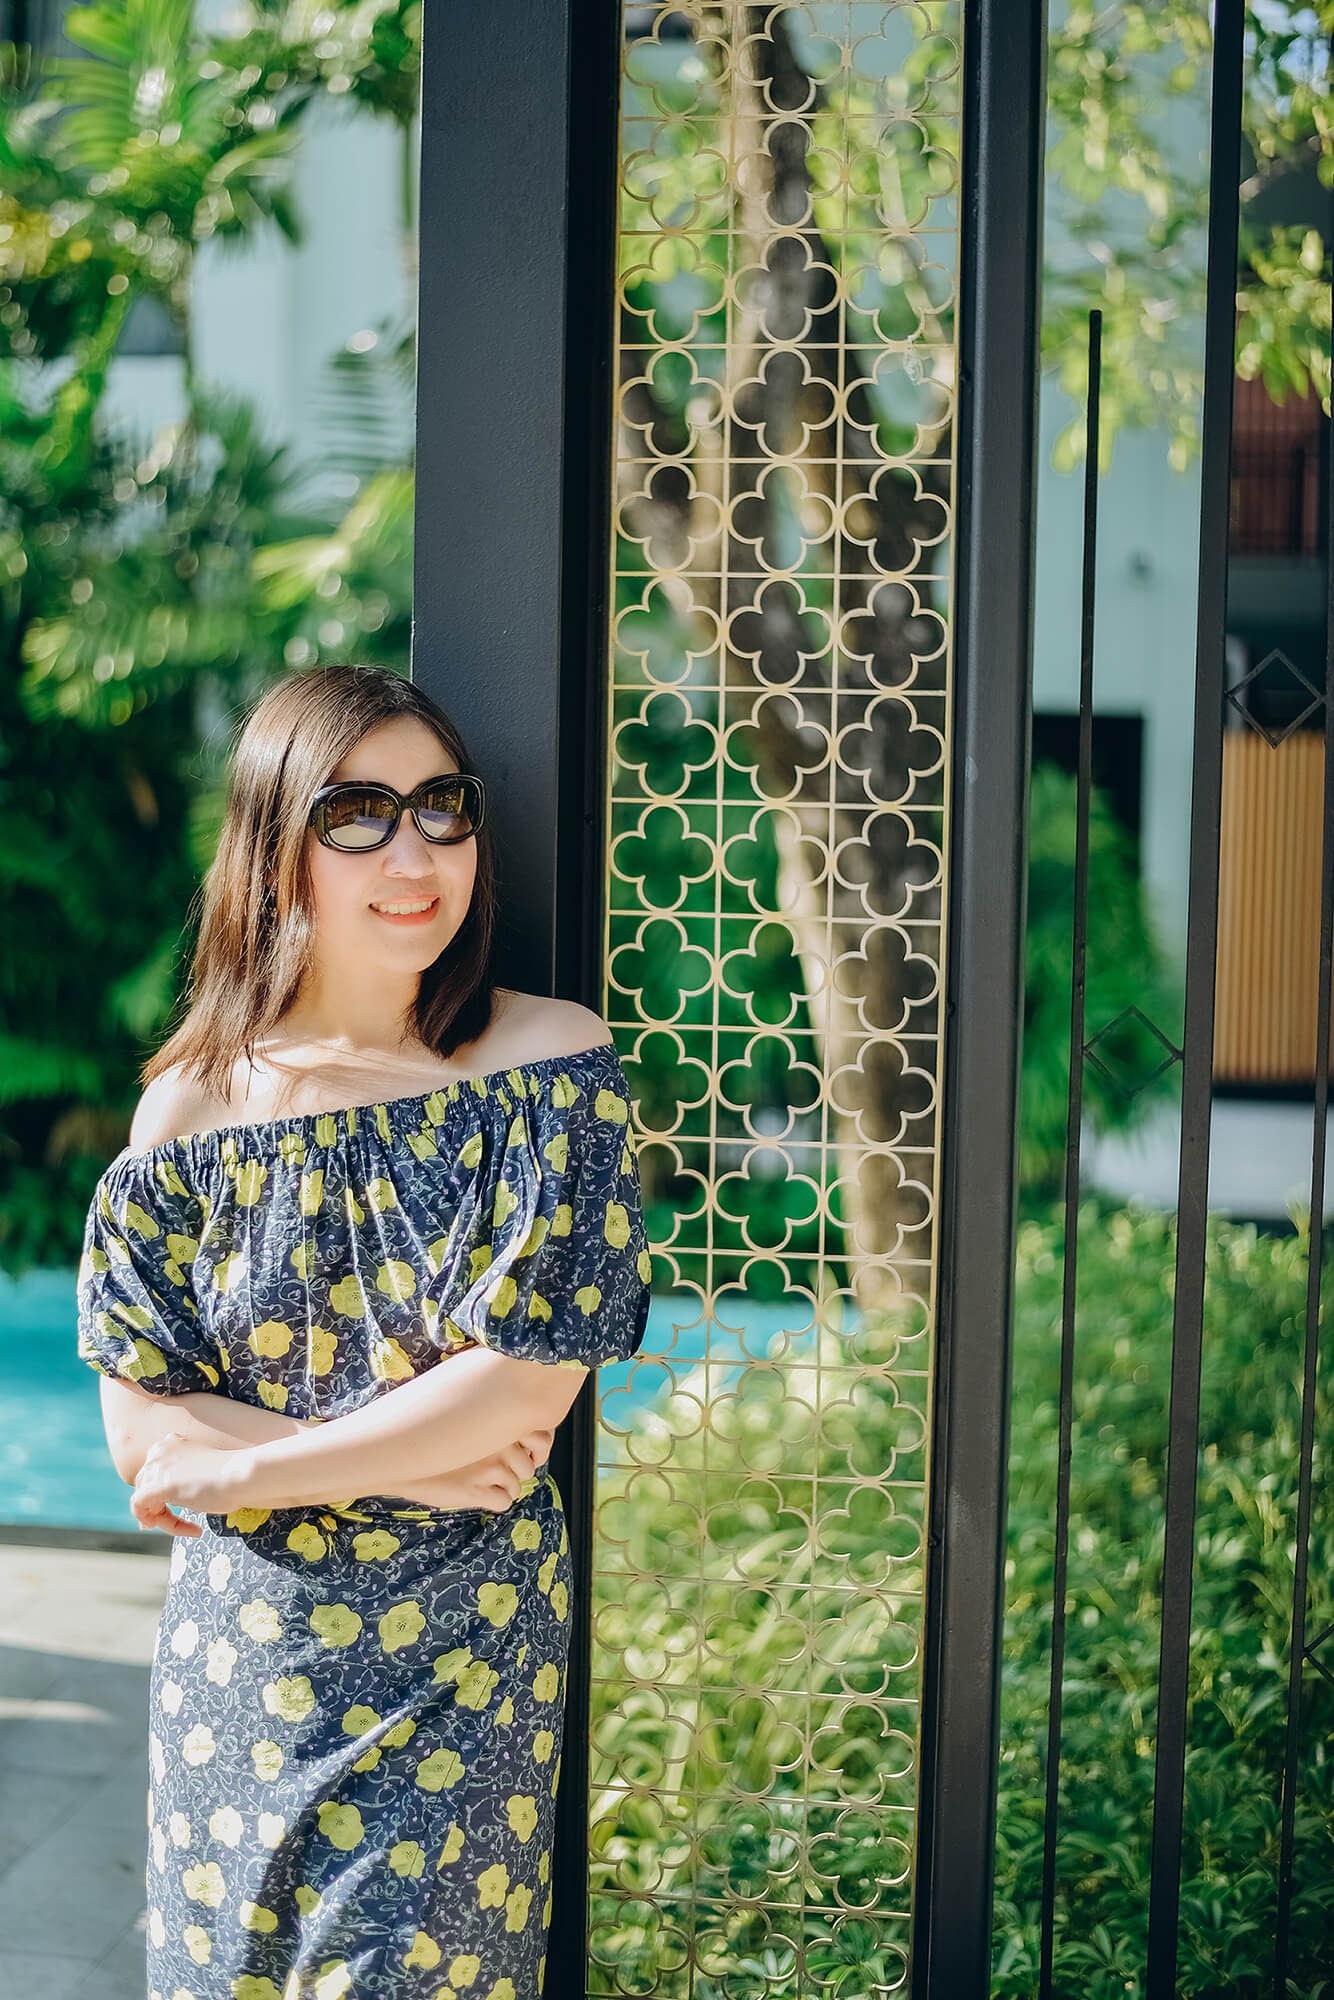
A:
(779, 691)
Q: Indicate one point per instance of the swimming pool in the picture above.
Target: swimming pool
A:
(54, 1468)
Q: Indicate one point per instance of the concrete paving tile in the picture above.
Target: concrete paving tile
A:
(34, 1976)
(81, 1886)
(33, 1805)
(122, 1973)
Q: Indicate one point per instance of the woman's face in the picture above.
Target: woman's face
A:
(351, 890)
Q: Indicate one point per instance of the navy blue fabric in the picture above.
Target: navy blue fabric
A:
(357, 1709)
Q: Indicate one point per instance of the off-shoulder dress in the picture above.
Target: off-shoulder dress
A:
(356, 1709)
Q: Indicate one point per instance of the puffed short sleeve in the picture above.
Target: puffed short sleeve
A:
(566, 1280)
(137, 1314)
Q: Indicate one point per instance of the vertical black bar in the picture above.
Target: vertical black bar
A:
(1198, 1037)
(517, 271)
(1298, 1650)
(1001, 226)
(1074, 1108)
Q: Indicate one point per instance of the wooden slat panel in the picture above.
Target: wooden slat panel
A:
(1269, 908)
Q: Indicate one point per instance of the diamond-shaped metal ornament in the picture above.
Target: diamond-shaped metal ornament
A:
(1276, 656)
(1131, 1090)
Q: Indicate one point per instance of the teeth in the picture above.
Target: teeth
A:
(403, 909)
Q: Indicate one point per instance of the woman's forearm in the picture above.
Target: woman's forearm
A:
(435, 1423)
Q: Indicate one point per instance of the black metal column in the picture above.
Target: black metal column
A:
(518, 192)
(1004, 124)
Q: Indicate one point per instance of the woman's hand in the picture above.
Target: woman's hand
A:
(179, 1473)
(491, 1484)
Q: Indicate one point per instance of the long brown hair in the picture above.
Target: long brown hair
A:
(256, 914)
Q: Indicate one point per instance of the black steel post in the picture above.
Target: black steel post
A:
(517, 238)
(1001, 226)
(1198, 1032)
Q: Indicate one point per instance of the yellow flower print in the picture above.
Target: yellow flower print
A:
(616, 1229)
(271, 1338)
(291, 1697)
(543, 1745)
(521, 1810)
(246, 1519)
(227, 1826)
(389, 1363)
(497, 1602)
(399, 1733)
(221, 1661)
(355, 1212)
(397, 1280)
(526, 1535)
(611, 1107)
(267, 1759)
(492, 1886)
(259, 1620)
(306, 1899)
(401, 1625)
(198, 1746)
(501, 1296)
(306, 1540)
(273, 1395)
(340, 1824)
(347, 1298)
(505, 1713)
(506, 1202)
(546, 1682)
(424, 1951)
(470, 1152)
(477, 1683)
(254, 1917)
(250, 1178)
(254, 1986)
(440, 1770)
(422, 1144)
(564, 1093)
(321, 1347)
(335, 1624)
(374, 1546)
(334, 1980)
(178, 1826)
(588, 1298)
(453, 1846)
(644, 1265)
(563, 1220)
(544, 1864)
(302, 1257)
(141, 1361)
(198, 1943)
(407, 1858)
(358, 1720)
(546, 1569)
(538, 1307)
(479, 1261)
(312, 1191)
(516, 1906)
(370, 1760)
(229, 1270)
(504, 1988)
(381, 1194)
(204, 1884)
(535, 1238)
(464, 1969)
(270, 1828)
(559, 1599)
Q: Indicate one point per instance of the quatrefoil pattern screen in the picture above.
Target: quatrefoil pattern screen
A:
(779, 675)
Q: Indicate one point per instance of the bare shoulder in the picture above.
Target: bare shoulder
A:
(531, 1026)
(171, 1106)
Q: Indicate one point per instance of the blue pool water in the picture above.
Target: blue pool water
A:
(54, 1468)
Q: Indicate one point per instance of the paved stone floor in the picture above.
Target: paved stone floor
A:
(76, 1642)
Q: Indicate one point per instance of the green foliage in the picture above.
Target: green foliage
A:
(1125, 966)
(729, 1581)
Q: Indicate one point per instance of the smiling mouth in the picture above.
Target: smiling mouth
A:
(409, 910)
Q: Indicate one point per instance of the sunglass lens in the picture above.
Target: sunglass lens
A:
(360, 818)
(445, 811)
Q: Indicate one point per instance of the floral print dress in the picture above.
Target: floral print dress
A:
(356, 1709)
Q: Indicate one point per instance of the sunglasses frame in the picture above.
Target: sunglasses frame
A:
(319, 805)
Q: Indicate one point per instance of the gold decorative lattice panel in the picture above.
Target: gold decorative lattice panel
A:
(779, 675)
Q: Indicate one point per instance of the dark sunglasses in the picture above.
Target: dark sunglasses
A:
(357, 817)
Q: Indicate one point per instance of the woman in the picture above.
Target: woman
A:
(353, 1160)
